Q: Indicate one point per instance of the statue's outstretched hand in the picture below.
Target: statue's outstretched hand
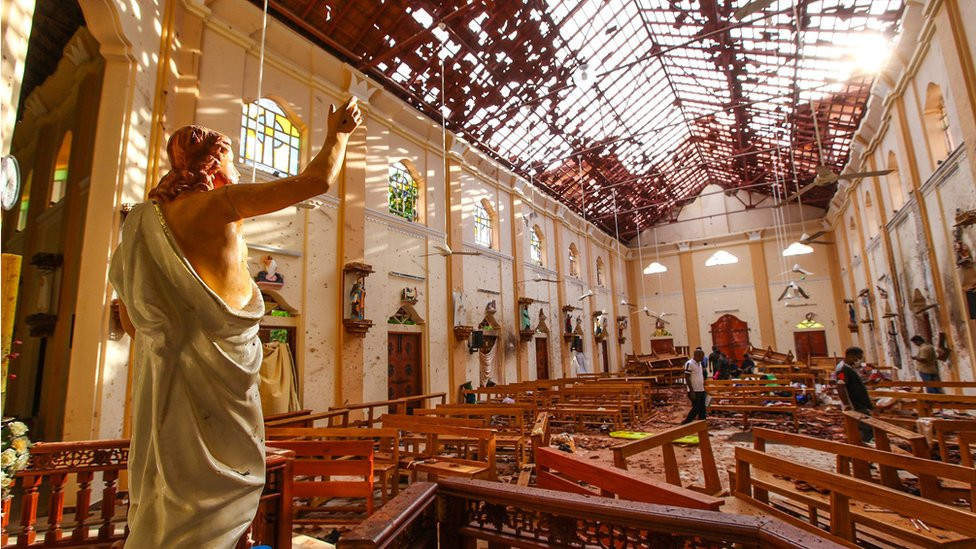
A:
(346, 119)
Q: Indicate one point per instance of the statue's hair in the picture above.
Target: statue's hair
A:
(195, 154)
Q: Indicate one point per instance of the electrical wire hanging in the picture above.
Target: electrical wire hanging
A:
(264, 40)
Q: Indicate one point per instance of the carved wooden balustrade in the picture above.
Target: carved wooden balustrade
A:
(94, 467)
(459, 513)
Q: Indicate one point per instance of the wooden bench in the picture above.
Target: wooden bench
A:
(538, 438)
(386, 450)
(334, 417)
(926, 403)
(373, 410)
(429, 458)
(510, 421)
(769, 356)
(665, 441)
(749, 399)
(316, 462)
(759, 380)
(861, 510)
(561, 471)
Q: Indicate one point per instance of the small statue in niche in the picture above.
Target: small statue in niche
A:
(357, 299)
(964, 256)
(622, 324)
(659, 329)
(851, 313)
(569, 323)
(579, 325)
(600, 327)
(409, 295)
(269, 275)
(542, 326)
(526, 321)
(490, 308)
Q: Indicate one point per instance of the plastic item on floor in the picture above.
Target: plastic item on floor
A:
(629, 435)
(689, 439)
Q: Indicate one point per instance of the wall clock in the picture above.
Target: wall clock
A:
(9, 182)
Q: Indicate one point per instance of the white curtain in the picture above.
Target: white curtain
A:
(487, 361)
(278, 391)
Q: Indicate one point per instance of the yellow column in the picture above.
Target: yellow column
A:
(840, 312)
(352, 248)
(634, 296)
(10, 274)
(867, 276)
(459, 355)
(519, 278)
(764, 303)
(690, 296)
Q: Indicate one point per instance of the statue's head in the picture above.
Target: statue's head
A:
(200, 159)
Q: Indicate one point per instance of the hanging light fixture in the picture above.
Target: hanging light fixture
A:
(721, 257)
(655, 268)
(797, 248)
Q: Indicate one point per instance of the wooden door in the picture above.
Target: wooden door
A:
(731, 335)
(403, 372)
(541, 358)
(606, 356)
(810, 343)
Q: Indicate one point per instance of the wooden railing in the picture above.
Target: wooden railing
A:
(459, 513)
(94, 467)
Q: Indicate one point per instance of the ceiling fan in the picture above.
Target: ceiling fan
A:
(446, 251)
(792, 291)
(540, 279)
(798, 269)
(750, 8)
(824, 175)
(812, 238)
(589, 293)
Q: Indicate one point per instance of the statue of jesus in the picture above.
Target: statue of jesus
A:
(196, 459)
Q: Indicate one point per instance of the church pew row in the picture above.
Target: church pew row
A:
(511, 421)
(477, 514)
(386, 457)
(924, 404)
(748, 399)
(430, 437)
(315, 463)
(558, 470)
(665, 441)
(56, 466)
(861, 510)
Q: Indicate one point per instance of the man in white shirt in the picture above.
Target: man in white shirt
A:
(695, 379)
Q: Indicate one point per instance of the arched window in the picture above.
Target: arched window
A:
(600, 280)
(574, 269)
(893, 179)
(483, 223)
(535, 246)
(404, 192)
(269, 139)
(870, 215)
(24, 203)
(59, 179)
(937, 124)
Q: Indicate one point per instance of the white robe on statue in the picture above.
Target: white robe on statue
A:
(196, 459)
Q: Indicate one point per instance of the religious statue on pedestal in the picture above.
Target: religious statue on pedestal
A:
(526, 320)
(197, 465)
(569, 323)
(269, 275)
(357, 299)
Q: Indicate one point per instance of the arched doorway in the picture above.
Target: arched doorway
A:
(731, 335)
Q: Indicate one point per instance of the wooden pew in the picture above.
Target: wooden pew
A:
(287, 415)
(511, 421)
(538, 438)
(759, 380)
(316, 461)
(944, 430)
(455, 513)
(769, 356)
(665, 441)
(860, 510)
(373, 410)
(749, 399)
(561, 471)
(922, 385)
(967, 443)
(338, 417)
(386, 451)
(925, 403)
(429, 458)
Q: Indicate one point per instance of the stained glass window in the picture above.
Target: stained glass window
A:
(482, 225)
(269, 139)
(535, 246)
(404, 192)
(59, 181)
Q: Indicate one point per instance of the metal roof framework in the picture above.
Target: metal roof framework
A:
(642, 102)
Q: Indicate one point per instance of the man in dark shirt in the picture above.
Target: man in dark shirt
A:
(748, 366)
(851, 389)
(713, 360)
